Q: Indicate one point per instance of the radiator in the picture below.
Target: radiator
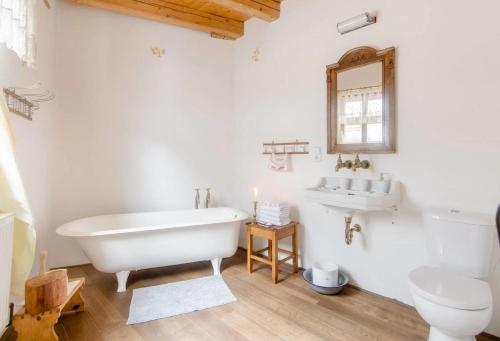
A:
(6, 233)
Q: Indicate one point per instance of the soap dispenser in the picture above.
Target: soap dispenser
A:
(384, 176)
(382, 185)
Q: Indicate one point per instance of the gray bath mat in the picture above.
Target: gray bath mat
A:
(172, 299)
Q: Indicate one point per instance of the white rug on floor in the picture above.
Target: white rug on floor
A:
(172, 299)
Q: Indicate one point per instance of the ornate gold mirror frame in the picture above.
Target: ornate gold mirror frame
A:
(355, 58)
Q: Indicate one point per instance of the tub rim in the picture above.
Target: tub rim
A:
(62, 230)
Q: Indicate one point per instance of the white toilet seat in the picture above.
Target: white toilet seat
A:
(456, 307)
(449, 289)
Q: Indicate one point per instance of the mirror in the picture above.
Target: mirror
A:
(361, 113)
(359, 105)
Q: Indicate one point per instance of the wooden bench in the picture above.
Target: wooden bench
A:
(40, 327)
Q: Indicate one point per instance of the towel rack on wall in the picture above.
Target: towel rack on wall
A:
(25, 104)
(296, 147)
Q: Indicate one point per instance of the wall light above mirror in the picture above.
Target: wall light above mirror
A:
(356, 22)
(361, 102)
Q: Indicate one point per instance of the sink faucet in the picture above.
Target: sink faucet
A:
(207, 198)
(197, 198)
(365, 164)
(347, 164)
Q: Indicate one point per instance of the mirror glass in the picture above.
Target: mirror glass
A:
(360, 105)
(361, 110)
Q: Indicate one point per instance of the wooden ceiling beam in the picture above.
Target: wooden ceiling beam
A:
(169, 12)
(268, 10)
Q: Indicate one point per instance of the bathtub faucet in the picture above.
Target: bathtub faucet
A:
(197, 198)
(207, 198)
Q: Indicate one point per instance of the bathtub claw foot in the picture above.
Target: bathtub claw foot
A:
(216, 265)
(122, 277)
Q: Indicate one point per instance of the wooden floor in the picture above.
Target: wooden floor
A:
(263, 311)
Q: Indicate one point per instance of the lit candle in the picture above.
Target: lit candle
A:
(255, 192)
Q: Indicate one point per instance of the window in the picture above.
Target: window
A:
(360, 118)
(17, 28)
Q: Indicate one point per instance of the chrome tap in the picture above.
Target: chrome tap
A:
(197, 198)
(365, 164)
(347, 164)
(207, 198)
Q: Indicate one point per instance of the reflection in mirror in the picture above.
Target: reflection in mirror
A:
(359, 100)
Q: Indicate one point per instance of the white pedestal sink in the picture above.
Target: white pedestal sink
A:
(351, 195)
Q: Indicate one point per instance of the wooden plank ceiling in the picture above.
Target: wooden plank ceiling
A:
(221, 18)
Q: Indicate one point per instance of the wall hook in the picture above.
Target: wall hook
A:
(24, 104)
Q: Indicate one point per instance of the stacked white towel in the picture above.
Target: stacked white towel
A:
(273, 213)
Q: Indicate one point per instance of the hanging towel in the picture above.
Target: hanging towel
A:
(13, 199)
(279, 162)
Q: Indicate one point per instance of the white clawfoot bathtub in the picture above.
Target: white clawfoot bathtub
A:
(120, 243)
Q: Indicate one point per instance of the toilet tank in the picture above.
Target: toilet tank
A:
(460, 241)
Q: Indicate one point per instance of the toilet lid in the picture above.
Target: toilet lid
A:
(450, 289)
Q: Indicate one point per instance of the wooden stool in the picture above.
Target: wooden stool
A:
(272, 234)
(40, 327)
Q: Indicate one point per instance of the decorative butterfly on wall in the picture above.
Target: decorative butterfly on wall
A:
(157, 51)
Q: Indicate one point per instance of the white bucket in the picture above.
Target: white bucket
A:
(325, 274)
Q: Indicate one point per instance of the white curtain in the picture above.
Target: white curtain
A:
(17, 28)
(359, 117)
(13, 200)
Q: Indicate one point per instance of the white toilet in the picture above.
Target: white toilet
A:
(450, 296)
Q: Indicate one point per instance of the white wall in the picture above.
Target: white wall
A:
(448, 118)
(134, 132)
(127, 131)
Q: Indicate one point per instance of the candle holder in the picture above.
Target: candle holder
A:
(254, 212)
